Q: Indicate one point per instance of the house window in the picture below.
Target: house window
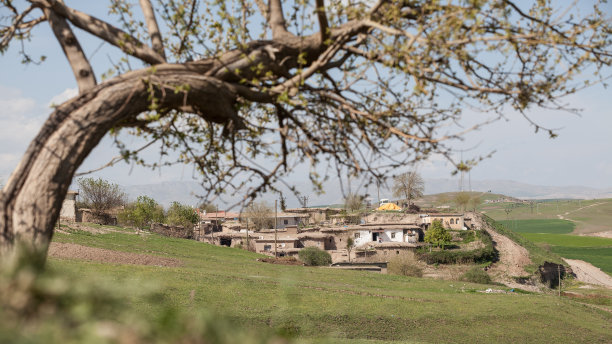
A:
(267, 247)
(396, 252)
(392, 235)
(457, 221)
(286, 222)
(356, 235)
(452, 221)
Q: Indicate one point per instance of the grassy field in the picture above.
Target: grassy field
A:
(315, 304)
(588, 216)
(540, 226)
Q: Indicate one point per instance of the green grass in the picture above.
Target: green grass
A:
(344, 306)
(540, 226)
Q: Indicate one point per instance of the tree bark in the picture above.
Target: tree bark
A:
(32, 198)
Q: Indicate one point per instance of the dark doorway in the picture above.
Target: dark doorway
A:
(226, 242)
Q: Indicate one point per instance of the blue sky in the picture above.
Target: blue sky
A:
(581, 155)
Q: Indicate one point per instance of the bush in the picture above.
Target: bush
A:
(476, 275)
(467, 236)
(313, 256)
(480, 255)
(181, 215)
(404, 266)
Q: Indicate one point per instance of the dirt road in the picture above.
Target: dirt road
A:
(587, 273)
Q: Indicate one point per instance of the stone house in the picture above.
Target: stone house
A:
(449, 220)
(69, 213)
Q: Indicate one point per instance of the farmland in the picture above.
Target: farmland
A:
(556, 229)
(588, 216)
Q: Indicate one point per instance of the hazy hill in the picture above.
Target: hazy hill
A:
(187, 191)
(518, 189)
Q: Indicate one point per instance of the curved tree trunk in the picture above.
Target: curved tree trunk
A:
(32, 197)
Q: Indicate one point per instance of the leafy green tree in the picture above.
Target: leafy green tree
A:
(142, 213)
(181, 215)
(365, 88)
(438, 235)
(99, 195)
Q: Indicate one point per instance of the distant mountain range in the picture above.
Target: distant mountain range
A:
(187, 192)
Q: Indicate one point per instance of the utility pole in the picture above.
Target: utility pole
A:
(275, 230)
(247, 229)
(559, 271)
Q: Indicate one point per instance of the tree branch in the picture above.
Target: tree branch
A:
(83, 73)
(152, 27)
(323, 24)
(9, 32)
(277, 20)
(105, 31)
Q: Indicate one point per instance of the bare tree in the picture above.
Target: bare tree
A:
(208, 207)
(354, 202)
(408, 185)
(366, 88)
(100, 195)
(260, 214)
(462, 199)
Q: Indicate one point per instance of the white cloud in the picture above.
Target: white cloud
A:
(62, 97)
(21, 117)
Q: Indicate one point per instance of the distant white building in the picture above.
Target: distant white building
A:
(69, 210)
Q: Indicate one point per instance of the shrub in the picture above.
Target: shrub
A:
(313, 256)
(181, 215)
(467, 236)
(480, 255)
(404, 266)
(476, 275)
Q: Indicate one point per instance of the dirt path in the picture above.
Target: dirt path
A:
(606, 234)
(512, 261)
(562, 216)
(71, 251)
(587, 273)
(512, 257)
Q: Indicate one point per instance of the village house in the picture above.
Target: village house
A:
(449, 220)
(379, 237)
(316, 216)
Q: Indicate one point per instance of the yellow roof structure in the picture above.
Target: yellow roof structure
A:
(389, 206)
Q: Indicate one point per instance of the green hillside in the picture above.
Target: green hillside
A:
(554, 225)
(314, 304)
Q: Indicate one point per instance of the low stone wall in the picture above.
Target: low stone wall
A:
(87, 215)
(172, 231)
